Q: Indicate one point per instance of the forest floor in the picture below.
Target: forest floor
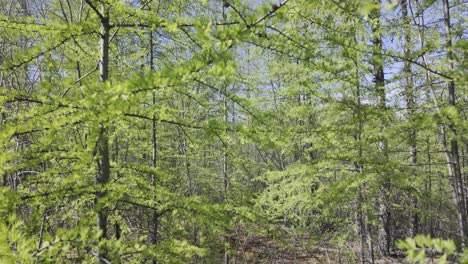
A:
(315, 256)
(263, 251)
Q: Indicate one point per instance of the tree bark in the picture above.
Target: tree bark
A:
(384, 232)
(457, 183)
(103, 162)
(361, 214)
(410, 104)
(225, 172)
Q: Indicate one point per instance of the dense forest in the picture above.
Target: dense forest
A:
(233, 131)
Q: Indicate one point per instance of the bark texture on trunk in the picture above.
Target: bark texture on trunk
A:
(410, 104)
(103, 162)
(454, 152)
(384, 231)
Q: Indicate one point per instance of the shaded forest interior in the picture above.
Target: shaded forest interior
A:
(233, 131)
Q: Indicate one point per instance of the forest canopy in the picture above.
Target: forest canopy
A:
(233, 131)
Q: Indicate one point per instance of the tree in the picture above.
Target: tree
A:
(207, 131)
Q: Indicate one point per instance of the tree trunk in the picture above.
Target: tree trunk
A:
(153, 233)
(384, 232)
(103, 176)
(457, 183)
(361, 214)
(225, 173)
(410, 104)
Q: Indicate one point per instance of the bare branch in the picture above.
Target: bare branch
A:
(84, 76)
(95, 9)
(21, 63)
(238, 13)
(271, 12)
(163, 121)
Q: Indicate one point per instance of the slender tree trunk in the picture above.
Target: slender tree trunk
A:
(429, 81)
(410, 104)
(361, 214)
(103, 176)
(429, 189)
(3, 117)
(458, 184)
(3, 122)
(384, 233)
(155, 214)
(451, 152)
(225, 173)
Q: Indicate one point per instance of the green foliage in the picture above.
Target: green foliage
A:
(228, 123)
(16, 246)
(421, 247)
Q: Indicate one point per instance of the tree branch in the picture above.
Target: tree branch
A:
(271, 12)
(238, 13)
(101, 17)
(84, 76)
(162, 121)
(21, 63)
